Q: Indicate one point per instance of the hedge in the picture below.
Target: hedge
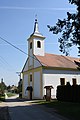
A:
(68, 93)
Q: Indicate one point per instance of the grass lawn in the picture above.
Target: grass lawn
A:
(9, 94)
(66, 109)
(2, 98)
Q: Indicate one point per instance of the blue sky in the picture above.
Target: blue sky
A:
(16, 25)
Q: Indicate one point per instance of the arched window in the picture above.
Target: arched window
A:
(38, 44)
(31, 45)
(30, 77)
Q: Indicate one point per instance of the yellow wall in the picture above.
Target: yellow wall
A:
(32, 71)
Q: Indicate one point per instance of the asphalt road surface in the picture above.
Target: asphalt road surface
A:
(25, 110)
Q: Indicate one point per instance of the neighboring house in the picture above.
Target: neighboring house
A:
(43, 69)
(14, 89)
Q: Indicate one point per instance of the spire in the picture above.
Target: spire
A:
(36, 27)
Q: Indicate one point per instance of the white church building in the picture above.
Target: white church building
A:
(43, 69)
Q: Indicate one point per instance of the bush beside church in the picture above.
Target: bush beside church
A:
(68, 93)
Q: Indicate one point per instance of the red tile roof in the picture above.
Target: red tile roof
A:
(60, 61)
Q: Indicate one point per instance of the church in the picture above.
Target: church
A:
(43, 69)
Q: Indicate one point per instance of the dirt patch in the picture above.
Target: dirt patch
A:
(4, 114)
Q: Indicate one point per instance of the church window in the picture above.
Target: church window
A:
(38, 44)
(74, 81)
(30, 77)
(62, 81)
(31, 45)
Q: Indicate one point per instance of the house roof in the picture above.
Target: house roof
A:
(59, 61)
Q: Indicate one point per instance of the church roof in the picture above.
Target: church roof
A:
(59, 61)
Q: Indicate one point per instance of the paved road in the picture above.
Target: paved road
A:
(25, 110)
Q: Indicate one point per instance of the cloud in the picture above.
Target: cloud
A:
(31, 8)
(16, 8)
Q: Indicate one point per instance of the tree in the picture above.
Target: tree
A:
(20, 86)
(2, 86)
(70, 29)
(8, 88)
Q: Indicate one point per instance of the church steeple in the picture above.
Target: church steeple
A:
(36, 27)
(36, 41)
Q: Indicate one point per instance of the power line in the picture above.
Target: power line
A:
(3, 60)
(17, 48)
(13, 45)
(6, 63)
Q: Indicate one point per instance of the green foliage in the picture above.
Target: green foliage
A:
(68, 93)
(9, 94)
(2, 97)
(70, 29)
(2, 87)
(20, 86)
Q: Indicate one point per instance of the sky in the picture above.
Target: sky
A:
(17, 19)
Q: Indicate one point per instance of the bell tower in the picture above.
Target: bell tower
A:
(36, 42)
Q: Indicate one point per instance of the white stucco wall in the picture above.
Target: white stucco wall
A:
(52, 77)
(38, 51)
(36, 63)
(31, 58)
(25, 85)
(26, 66)
(37, 85)
(50, 80)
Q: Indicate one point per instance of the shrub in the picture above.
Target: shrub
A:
(68, 93)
